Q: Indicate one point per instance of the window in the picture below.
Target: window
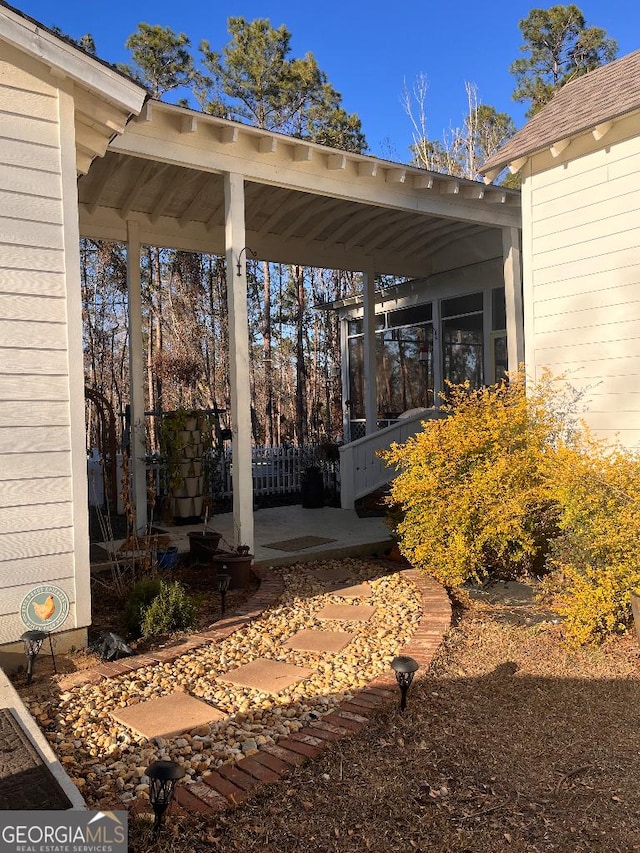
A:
(463, 340)
(404, 361)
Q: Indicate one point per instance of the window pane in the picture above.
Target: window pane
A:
(410, 316)
(355, 327)
(498, 310)
(405, 369)
(356, 377)
(463, 350)
(500, 357)
(462, 305)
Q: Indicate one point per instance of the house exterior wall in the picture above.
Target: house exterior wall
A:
(43, 510)
(581, 271)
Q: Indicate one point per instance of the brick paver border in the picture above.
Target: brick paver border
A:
(231, 784)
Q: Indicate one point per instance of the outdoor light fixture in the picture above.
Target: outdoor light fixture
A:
(404, 668)
(239, 261)
(223, 582)
(163, 776)
(33, 641)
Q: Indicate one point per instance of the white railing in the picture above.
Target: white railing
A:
(361, 470)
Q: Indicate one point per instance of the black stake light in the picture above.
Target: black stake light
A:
(163, 776)
(223, 581)
(33, 641)
(404, 668)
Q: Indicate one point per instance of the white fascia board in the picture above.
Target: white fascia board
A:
(35, 41)
(302, 151)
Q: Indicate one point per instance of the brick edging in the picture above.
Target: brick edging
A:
(269, 591)
(231, 784)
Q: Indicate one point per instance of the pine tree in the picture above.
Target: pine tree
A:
(559, 47)
(253, 79)
(161, 58)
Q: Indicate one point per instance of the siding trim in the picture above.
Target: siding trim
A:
(71, 242)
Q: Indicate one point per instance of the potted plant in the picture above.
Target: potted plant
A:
(203, 543)
(184, 439)
(236, 564)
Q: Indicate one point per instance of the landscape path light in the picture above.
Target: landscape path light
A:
(163, 777)
(404, 668)
(223, 581)
(33, 641)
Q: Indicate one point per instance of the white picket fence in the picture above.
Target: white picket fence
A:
(275, 470)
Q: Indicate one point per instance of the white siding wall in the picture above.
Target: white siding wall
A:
(37, 533)
(581, 240)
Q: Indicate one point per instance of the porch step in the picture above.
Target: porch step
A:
(373, 505)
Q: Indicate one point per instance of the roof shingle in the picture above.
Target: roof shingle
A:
(606, 93)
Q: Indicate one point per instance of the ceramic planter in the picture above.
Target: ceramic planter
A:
(192, 486)
(202, 544)
(168, 557)
(237, 566)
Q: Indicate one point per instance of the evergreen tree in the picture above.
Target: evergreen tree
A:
(559, 47)
(253, 79)
(162, 61)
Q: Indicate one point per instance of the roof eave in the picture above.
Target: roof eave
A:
(40, 43)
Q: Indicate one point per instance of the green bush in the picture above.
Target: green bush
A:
(171, 610)
(138, 599)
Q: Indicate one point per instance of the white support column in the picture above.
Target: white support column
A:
(136, 378)
(512, 261)
(239, 359)
(369, 323)
(344, 373)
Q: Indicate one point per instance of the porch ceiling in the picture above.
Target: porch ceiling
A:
(304, 203)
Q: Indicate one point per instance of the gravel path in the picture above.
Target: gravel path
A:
(104, 757)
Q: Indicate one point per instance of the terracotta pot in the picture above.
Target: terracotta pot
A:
(202, 544)
(238, 566)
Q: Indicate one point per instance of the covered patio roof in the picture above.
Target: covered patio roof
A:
(304, 203)
(186, 180)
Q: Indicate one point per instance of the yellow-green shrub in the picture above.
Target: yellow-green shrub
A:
(596, 556)
(509, 483)
(472, 487)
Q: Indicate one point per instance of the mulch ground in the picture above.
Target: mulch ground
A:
(512, 742)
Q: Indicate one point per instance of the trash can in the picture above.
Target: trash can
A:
(312, 487)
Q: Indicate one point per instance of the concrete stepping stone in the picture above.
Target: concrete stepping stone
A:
(167, 716)
(267, 676)
(347, 612)
(336, 575)
(309, 640)
(359, 590)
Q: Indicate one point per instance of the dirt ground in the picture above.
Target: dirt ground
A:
(512, 742)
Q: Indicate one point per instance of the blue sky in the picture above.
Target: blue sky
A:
(368, 50)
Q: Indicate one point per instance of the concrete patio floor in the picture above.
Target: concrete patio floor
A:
(351, 534)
